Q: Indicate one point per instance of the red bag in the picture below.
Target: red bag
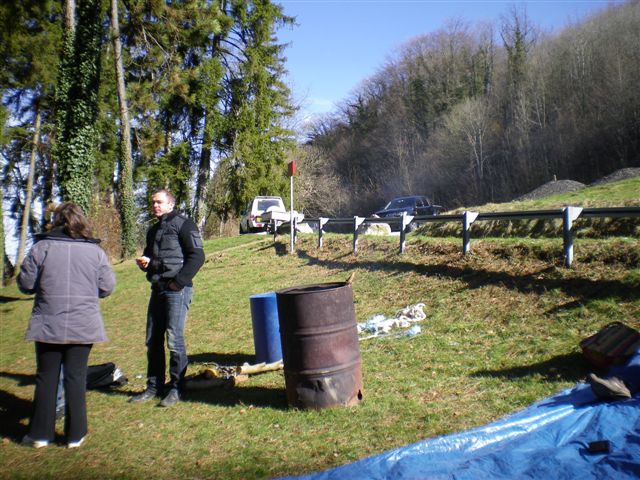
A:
(612, 345)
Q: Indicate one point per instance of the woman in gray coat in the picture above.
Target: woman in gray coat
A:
(68, 272)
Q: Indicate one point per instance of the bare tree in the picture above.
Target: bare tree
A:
(24, 227)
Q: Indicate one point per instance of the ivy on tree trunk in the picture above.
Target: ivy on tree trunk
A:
(77, 101)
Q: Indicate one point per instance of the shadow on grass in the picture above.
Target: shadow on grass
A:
(582, 289)
(12, 411)
(252, 397)
(569, 367)
(12, 408)
(225, 359)
(280, 248)
(259, 397)
(229, 396)
(4, 299)
(22, 379)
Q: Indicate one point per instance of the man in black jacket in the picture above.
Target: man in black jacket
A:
(173, 255)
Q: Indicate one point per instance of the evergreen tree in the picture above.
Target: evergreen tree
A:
(259, 105)
(210, 100)
(171, 47)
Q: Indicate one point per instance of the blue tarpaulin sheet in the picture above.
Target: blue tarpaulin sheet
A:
(547, 440)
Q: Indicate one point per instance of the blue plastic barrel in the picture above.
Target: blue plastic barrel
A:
(266, 327)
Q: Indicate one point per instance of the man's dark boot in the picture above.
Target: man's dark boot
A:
(608, 388)
(171, 399)
(143, 397)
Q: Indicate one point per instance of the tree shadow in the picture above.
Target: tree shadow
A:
(570, 367)
(581, 289)
(4, 299)
(22, 379)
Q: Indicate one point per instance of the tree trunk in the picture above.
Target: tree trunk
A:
(3, 255)
(204, 167)
(69, 15)
(24, 228)
(50, 170)
(78, 103)
(125, 178)
(47, 191)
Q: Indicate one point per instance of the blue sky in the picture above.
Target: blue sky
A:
(339, 43)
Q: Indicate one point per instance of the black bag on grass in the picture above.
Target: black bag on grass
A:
(105, 375)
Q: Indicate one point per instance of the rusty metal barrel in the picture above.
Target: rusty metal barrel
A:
(320, 349)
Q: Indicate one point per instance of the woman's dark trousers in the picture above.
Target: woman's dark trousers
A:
(50, 357)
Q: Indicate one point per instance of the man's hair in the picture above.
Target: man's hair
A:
(167, 192)
(70, 217)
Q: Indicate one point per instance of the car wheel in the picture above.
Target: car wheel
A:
(412, 227)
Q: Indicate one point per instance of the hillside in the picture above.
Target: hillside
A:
(449, 117)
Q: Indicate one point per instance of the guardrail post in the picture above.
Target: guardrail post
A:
(357, 221)
(467, 219)
(294, 231)
(405, 221)
(321, 222)
(569, 215)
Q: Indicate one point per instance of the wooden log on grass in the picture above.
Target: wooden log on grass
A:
(247, 369)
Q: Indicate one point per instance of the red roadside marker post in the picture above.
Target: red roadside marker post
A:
(292, 224)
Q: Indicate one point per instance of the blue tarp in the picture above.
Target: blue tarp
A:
(547, 440)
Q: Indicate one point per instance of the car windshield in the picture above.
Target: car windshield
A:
(401, 203)
(270, 202)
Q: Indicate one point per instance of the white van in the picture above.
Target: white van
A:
(251, 219)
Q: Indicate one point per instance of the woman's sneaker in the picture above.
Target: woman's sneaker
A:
(76, 444)
(27, 440)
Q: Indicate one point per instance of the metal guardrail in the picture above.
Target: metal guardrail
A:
(568, 215)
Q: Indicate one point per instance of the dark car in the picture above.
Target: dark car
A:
(416, 205)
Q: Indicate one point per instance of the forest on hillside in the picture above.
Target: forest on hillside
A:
(483, 113)
(105, 101)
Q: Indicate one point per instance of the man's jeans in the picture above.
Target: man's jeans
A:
(167, 314)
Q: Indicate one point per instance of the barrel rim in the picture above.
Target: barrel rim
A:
(263, 295)
(306, 289)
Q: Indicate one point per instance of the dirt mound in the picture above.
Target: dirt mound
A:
(618, 175)
(552, 188)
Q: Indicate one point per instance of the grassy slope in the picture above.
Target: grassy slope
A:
(624, 193)
(502, 330)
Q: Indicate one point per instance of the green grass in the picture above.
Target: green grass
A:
(502, 330)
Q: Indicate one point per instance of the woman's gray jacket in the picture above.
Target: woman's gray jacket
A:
(68, 277)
